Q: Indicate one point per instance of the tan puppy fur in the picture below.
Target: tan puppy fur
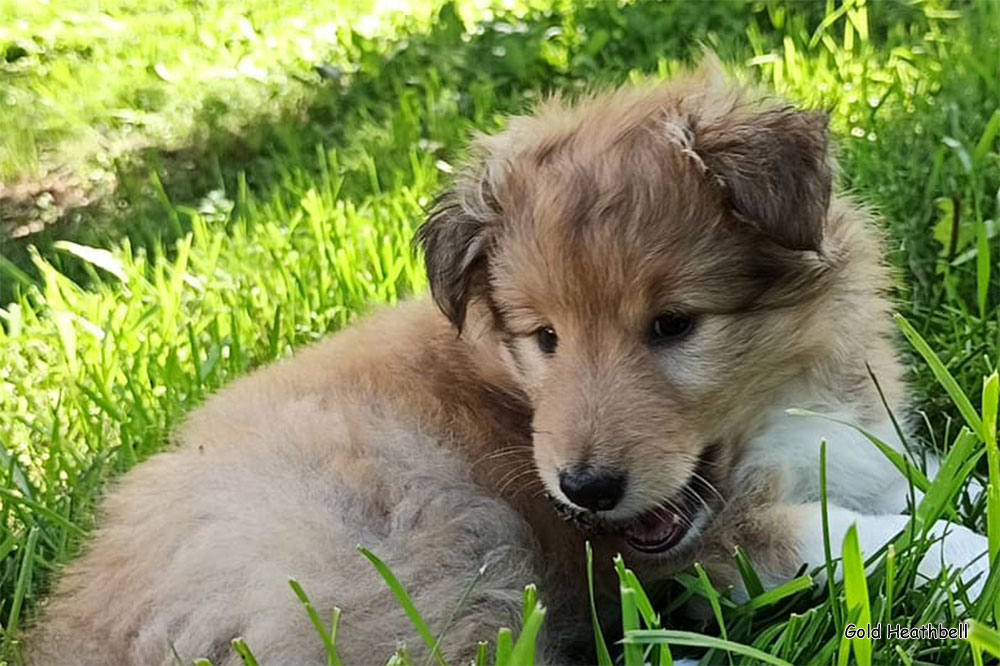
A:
(562, 247)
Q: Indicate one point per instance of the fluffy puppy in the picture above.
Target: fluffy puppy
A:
(630, 293)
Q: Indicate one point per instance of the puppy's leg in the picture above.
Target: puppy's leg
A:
(780, 538)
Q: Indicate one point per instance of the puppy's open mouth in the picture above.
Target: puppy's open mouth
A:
(665, 526)
(659, 530)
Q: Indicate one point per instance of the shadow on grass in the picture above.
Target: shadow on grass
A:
(416, 94)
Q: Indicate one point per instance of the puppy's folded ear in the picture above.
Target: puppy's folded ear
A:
(774, 170)
(455, 239)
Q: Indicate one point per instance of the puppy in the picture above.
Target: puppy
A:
(630, 293)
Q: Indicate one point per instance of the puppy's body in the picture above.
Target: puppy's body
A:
(643, 285)
(369, 438)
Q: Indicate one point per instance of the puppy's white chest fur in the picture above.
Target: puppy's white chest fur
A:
(858, 475)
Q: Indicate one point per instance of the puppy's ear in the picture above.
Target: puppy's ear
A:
(773, 168)
(455, 239)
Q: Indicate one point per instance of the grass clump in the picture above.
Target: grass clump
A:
(242, 218)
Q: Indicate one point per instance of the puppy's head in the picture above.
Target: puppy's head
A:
(645, 262)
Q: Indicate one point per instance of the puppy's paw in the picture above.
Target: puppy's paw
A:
(954, 546)
(957, 547)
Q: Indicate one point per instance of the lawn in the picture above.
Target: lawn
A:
(190, 190)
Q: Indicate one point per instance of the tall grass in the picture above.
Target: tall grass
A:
(272, 229)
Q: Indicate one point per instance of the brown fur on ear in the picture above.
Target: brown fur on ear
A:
(455, 239)
(774, 170)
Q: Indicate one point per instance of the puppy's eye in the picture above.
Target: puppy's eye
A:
(547, 339)
(670, 327)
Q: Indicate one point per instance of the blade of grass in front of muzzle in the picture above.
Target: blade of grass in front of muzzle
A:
(630, 622)
(627, 578)
(603, 656)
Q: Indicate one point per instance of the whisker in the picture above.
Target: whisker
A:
(515, 470)
(691, 492)
(708, 484)
(517, 477)
(501, 453)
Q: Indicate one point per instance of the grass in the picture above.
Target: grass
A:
(231, 219)
(87, 83)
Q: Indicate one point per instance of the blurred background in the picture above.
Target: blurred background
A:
(189, 189)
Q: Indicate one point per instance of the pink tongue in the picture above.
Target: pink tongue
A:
(656, 531)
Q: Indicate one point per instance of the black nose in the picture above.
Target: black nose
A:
(590, 488)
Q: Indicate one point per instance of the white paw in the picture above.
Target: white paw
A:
(957, 547)
(954, 547)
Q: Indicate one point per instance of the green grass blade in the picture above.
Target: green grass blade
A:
(628, 579)
(827, 549)
(856, 591)
(505, 645)
(783, 591)
(243, 650)
(944, 377)
(749, 577)
(708, 590)
(688, 638)
(528, 600)
(43, 511)
(984, 638)
(523, 651)
(603, 656)
(630, 622)
(21, 589)
(954, 468)
(332, 659)
(988, 138)
(991, 396)
(400, 657)
(404, 601)
(983, 267)
(466, 593)
(890, 583)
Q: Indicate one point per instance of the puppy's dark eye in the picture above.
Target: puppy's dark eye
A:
(547, 339)
(670, 326)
